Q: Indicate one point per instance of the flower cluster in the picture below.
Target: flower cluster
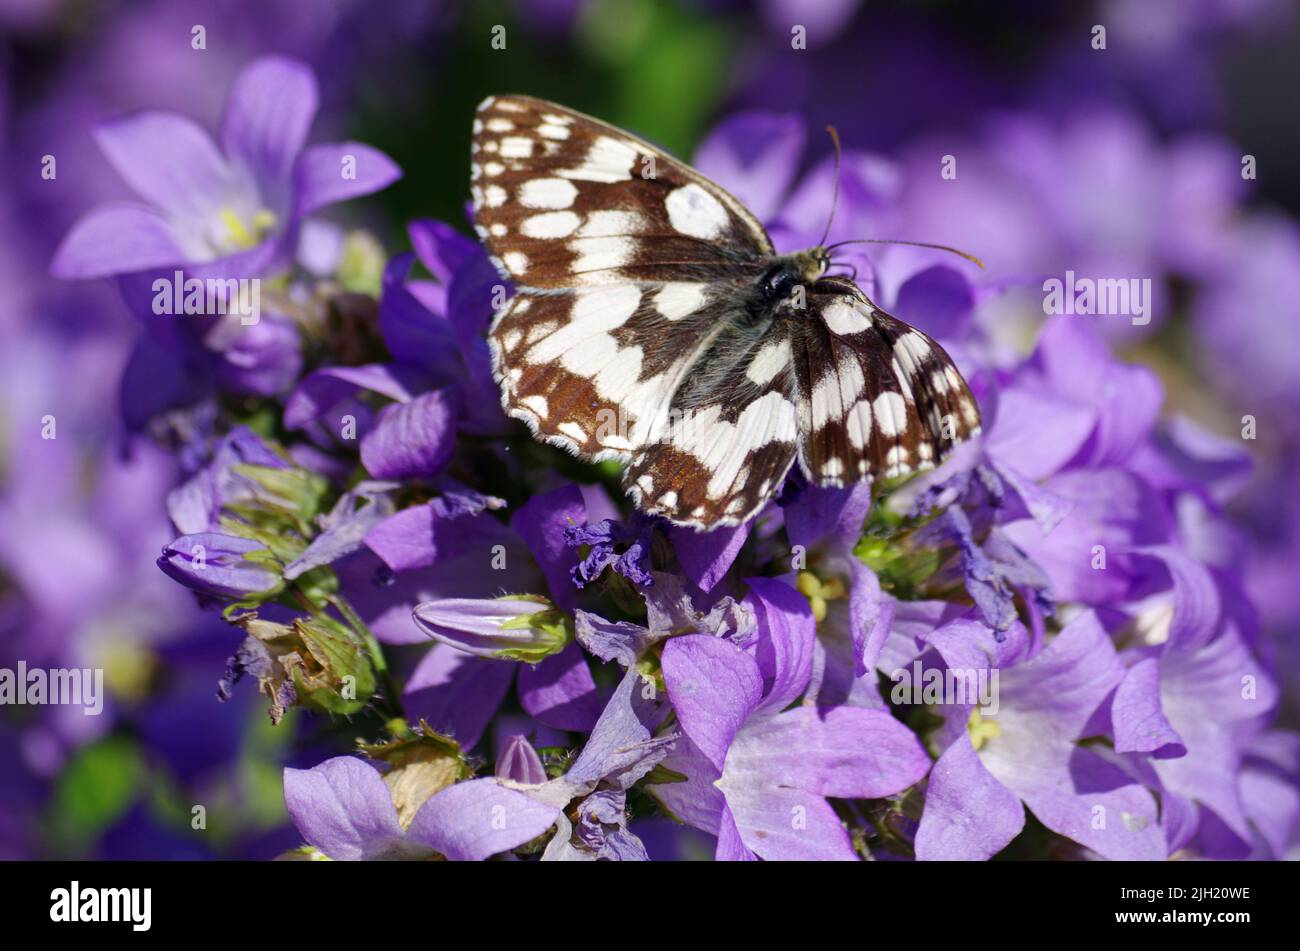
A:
(1048, 647)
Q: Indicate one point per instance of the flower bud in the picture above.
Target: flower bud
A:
(519, 762)
(222, 566)
(515, 627)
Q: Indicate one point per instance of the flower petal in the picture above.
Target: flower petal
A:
(706, 556)
(268, 114)
(170, 161)
(343, 807)
(457, 693)
(784, 649)
(337, 171)
(969, 816)
(845, 752)
(474, 820)
(755, 156)
(412, 440)
(116, 239)
(560, 691)
(541, 522)
(1138, 722)
(714, 686)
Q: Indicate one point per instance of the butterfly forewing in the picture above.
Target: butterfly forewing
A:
(563, 200)
(647, 327)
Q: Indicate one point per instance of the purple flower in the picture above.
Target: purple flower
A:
(758, 774)
(519, 762)
(523, 628)
(1029, 752)
(219, 566)
(232, 208)
(343, 808)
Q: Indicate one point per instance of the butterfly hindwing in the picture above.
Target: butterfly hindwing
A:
(732, 433)
(878, 398)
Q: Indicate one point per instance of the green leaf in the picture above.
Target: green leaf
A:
(96, 788)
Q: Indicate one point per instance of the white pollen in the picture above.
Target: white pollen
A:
(843, 318)
(769, 361)
(516, 147)
(677, 299)
(693, 211)
(552, 224)
(548, 193)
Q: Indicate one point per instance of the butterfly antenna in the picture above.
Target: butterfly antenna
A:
(915, 244)
(835, 192)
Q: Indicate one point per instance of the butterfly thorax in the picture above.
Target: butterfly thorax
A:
(789, 271)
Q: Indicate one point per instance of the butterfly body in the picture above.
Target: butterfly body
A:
(655, 323)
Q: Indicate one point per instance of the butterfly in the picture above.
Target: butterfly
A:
(654, 323)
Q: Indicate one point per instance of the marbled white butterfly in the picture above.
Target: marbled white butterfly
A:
(656, 324)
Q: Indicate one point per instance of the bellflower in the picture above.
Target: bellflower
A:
(1029, 751)
(509, 628)
(227, 209)
(343, 808)
(758, 774)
